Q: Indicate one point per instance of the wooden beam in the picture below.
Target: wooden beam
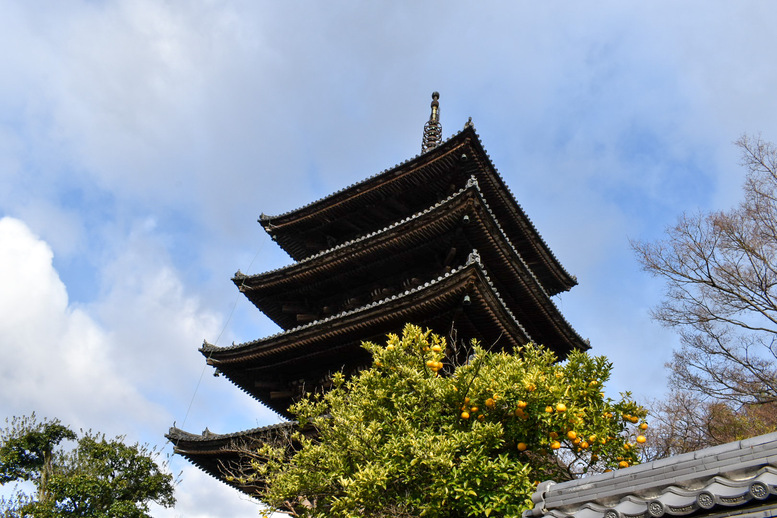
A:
(281, 394)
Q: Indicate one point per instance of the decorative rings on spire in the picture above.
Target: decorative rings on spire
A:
(432, 128)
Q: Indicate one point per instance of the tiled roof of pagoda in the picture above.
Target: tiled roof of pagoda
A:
(734, 479)
(220, 454)
(380, 253)
(263, 368)
(410, 187)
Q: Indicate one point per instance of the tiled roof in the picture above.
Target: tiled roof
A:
(332, 344)
(176, 435)
(474, 259)
(280, 226)
(348, 253)
(472, 183)
(219, 454)
(710, 481)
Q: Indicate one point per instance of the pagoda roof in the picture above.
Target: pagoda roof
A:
(264, 368)
(379, 253)
(219, 454)
(407, 188)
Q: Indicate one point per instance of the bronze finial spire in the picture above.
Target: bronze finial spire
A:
(432, 128)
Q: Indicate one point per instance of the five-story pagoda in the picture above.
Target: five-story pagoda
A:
(438, 241)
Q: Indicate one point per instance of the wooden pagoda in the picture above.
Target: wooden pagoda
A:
(438, 241)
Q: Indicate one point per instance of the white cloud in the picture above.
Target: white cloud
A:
(56, 358)
(125, 364)
(200, 496)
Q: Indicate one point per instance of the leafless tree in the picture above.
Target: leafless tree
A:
(721, 274)
(684, 421)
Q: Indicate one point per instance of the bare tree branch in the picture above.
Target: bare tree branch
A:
(720, 270)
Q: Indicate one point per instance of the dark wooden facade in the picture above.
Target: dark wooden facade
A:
(437, 241)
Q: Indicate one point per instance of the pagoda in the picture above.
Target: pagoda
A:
(438, 241)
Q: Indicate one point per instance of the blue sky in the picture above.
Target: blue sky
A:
(140, 140)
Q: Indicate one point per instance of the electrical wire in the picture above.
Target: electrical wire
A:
(218, 338)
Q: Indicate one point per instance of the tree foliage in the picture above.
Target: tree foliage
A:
(415, 435)
(98, 477)
(720, 270)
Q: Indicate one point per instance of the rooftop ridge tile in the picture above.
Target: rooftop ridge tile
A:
(694, 485)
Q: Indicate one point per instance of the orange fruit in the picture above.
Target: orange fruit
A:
(465, 415)
(623, 464)
(490, 402)
(522, 446)
(555, 445)
(643, 426)
(561, 407)
(522, 404)
(641, 439)
(549, 409)
(572, 435)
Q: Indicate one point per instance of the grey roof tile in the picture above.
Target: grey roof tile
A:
(473, 259)
(717, 479)
(768, 438)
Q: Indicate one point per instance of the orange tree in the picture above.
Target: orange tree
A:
(417, 435)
